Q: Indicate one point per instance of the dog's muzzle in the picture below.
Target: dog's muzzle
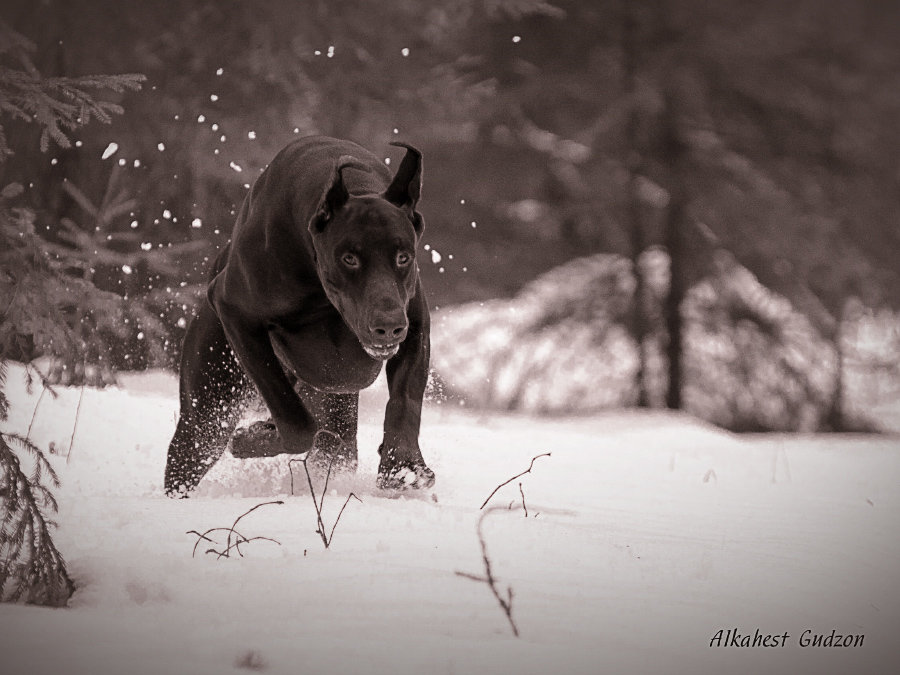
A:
(382, 352)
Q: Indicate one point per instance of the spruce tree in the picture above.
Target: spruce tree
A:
(42, 310)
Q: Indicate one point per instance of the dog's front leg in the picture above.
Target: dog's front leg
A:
(249, 339)
(402, 465)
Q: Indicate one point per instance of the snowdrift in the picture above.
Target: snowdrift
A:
(647, 534)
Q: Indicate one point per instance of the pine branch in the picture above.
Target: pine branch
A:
(31, 568)
(57, 104)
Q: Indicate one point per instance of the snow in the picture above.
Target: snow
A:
(647, 533)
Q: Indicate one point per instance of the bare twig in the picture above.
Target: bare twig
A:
(521, 492)
(235, 538)
(318, 503)
(75, 423)
(200, 537)
(489, 579)
(528, 470)
(203, 537)
(291, 471)
(34, 414)
(237, 542)
(340, 513)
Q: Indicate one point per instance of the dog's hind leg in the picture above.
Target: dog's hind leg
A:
(212, 394)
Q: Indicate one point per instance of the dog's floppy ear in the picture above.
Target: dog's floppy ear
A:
(333, 198)
(406, 187)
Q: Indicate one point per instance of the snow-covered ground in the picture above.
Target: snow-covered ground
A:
(647, 533)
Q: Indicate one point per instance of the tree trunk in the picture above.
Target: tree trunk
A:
(672, 304)
(835, 419)
(634, 225)
(672, 156)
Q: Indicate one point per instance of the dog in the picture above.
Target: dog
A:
(317, 290)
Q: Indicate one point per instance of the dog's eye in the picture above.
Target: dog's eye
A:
(403, 259)
(350, 260)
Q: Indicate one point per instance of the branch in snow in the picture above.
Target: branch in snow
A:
(519, 475)
(234, 539)
(318, 503)
(505, 601)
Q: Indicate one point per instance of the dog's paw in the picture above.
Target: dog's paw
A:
(260, 439)
(418, 477)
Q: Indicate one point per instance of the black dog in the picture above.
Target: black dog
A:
(317, 289)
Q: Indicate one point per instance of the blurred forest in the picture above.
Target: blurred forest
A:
(761, 134)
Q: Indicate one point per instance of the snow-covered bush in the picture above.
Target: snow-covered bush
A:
(562, 346)
(558, 346)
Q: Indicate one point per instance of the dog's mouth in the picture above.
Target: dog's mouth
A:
(382, 352)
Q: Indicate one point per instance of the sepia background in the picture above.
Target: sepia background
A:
(712, 186)
(661, 245)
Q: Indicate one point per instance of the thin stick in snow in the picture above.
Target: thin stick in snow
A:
(235, 538)
(77, 413)
(489, 579)
(528, 470)
(45, 387)
(34, 414)
(319, 503)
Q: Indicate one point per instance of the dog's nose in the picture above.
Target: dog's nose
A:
(389, 328)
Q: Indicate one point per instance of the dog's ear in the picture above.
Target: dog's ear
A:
(406, 187)
(333, 198)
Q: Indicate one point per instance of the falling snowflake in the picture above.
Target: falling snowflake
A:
(110, 151)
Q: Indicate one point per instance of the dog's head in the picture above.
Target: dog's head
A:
(366, 253)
